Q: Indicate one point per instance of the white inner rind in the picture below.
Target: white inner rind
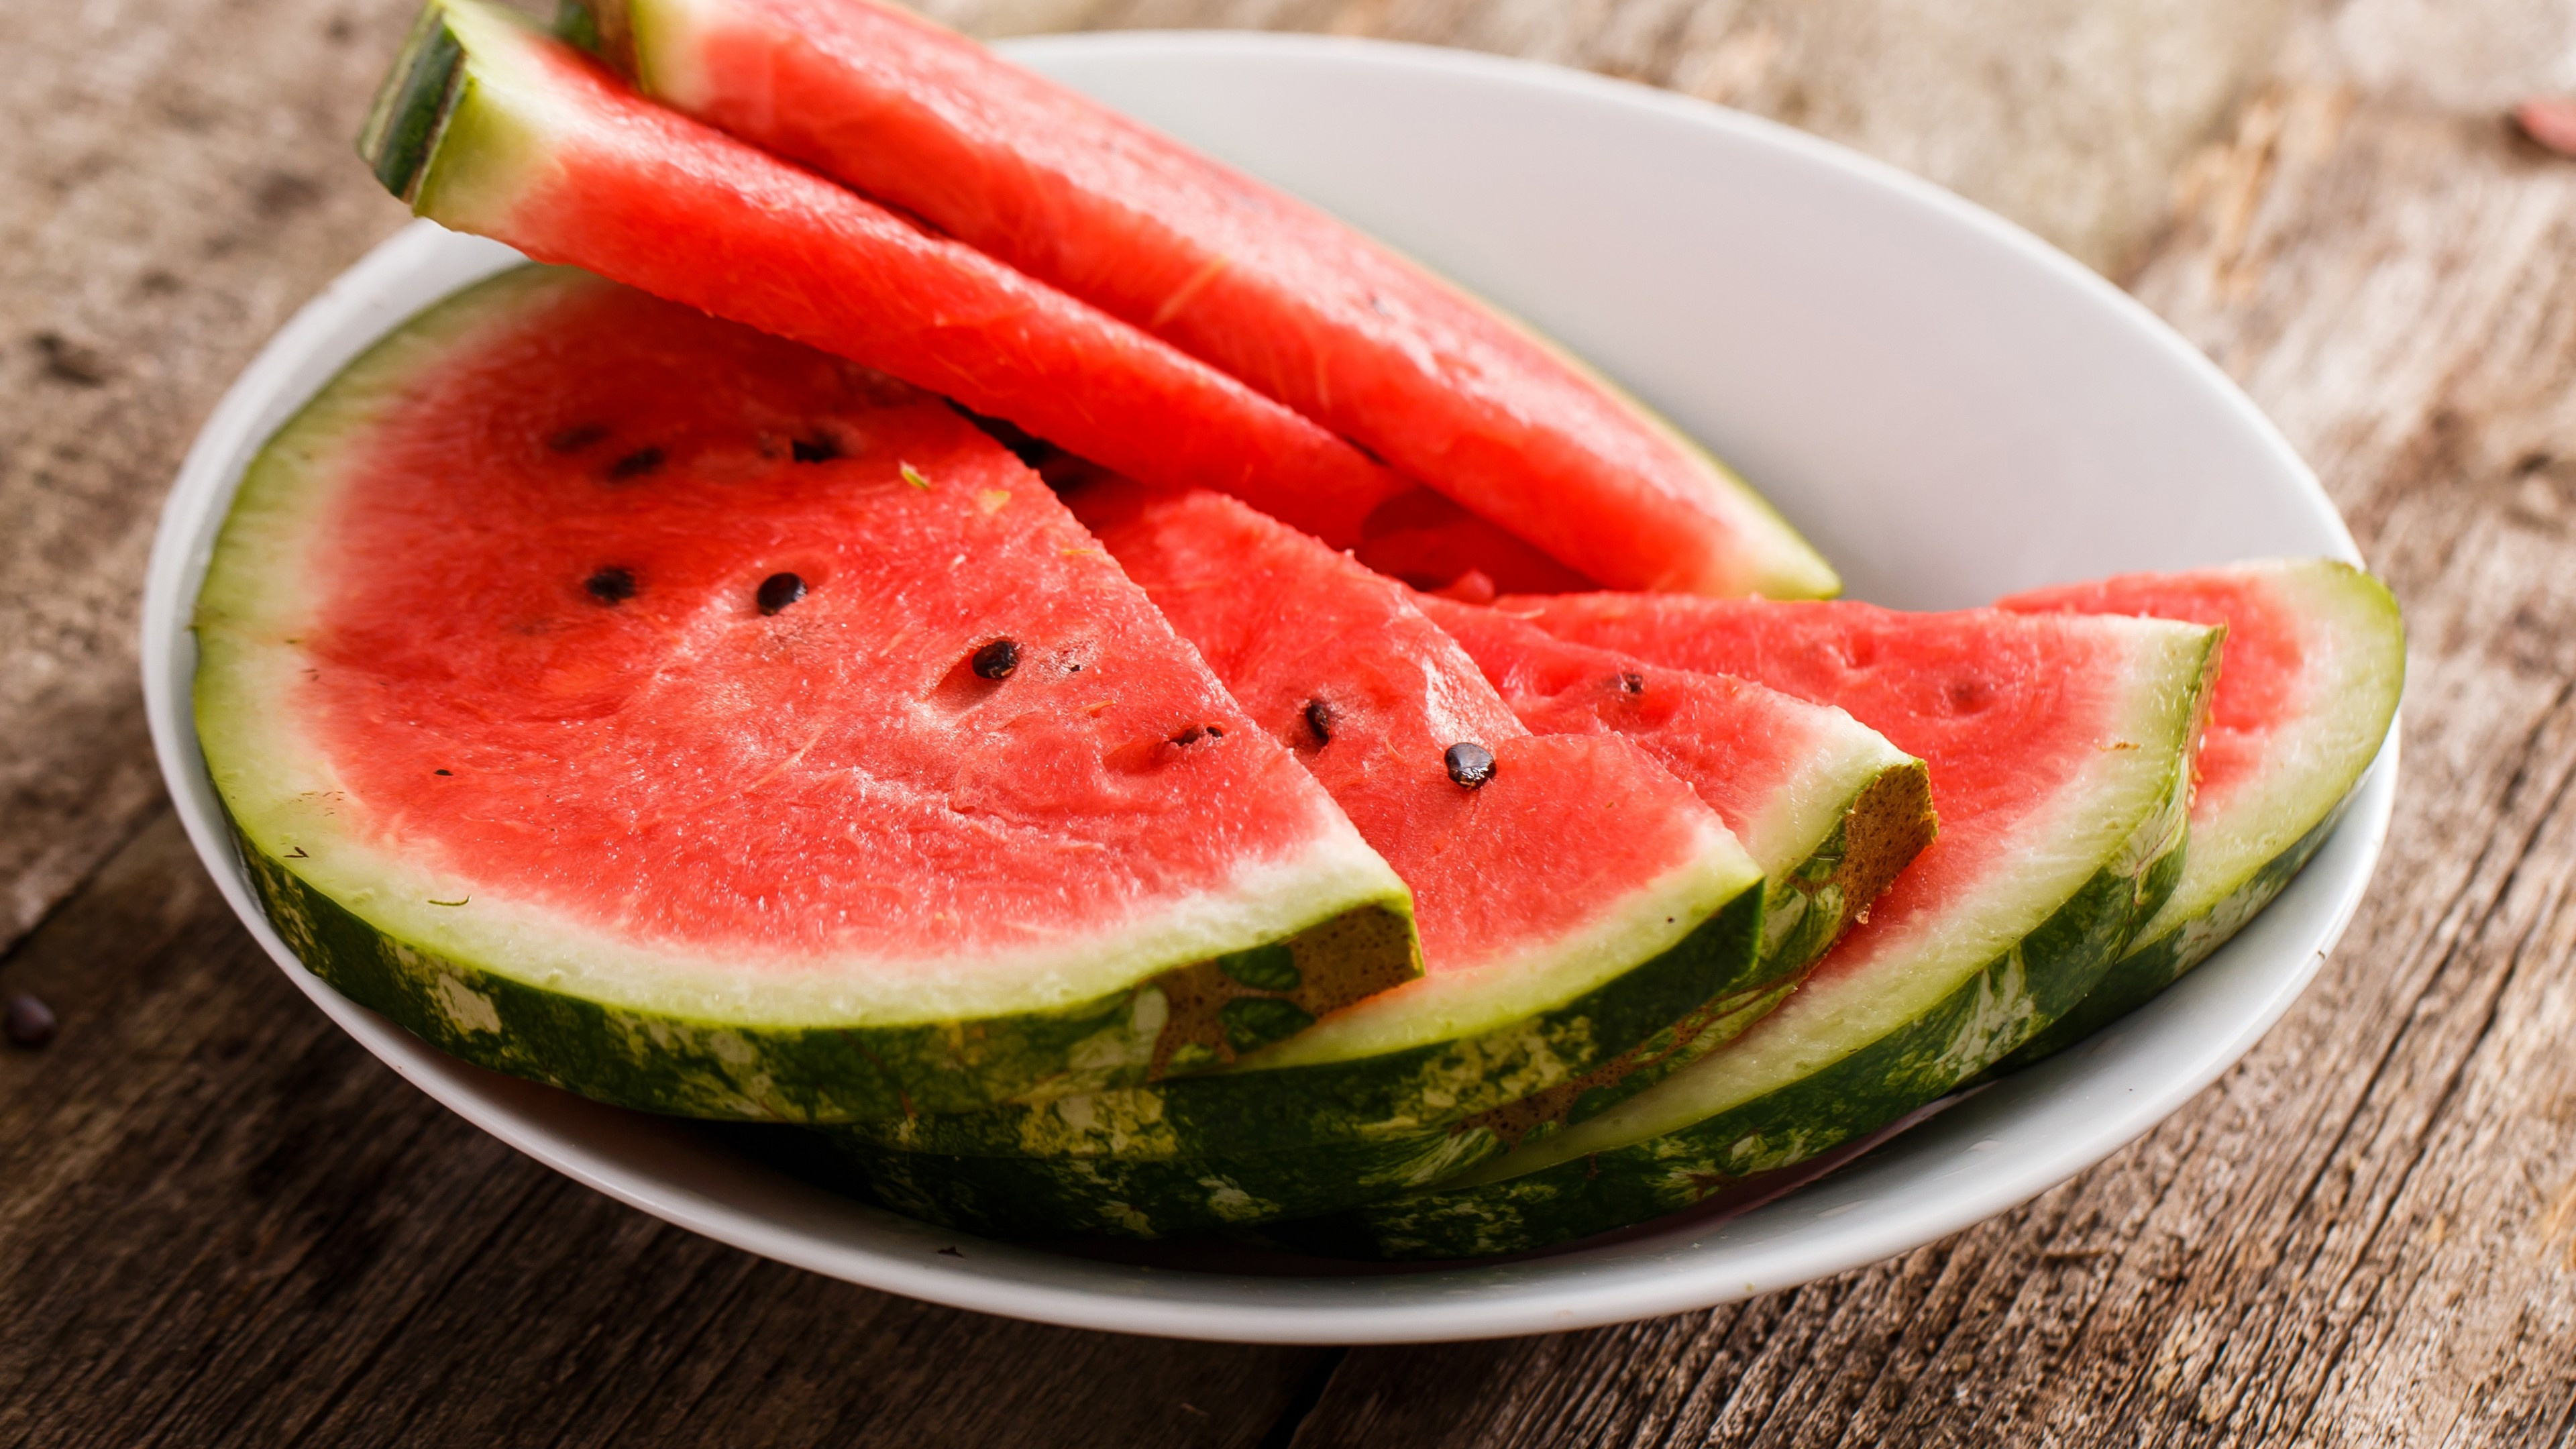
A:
(2085, 829)
(293, 805)
(493, 146)
(1839, 758)
(1624, 935)
(669, 37)
(2353, 669)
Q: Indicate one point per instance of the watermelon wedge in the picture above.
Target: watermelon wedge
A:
(621, 698)
(2060, 750)
(1574, 899)
(1823, 803)
(1268, 289)
(489, 126)
(2316, 658)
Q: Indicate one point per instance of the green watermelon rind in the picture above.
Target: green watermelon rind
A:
(1126, 1193)
(1389, 1094)
(675, 1064)
(2238, 863)
(1039, 1198)
(1558, 1192)
(1196, 1118)
(526, 993)
(1052, 1197)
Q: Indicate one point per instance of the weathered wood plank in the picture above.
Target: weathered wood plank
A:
(224, 1223)
(177, 180)
(2363, 1234)
(2067, 116)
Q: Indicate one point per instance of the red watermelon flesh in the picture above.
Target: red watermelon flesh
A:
(1783, 773)
(2316, 659)
(642, 658)
(540, 147)
(1569, 838)
(2005, 709)
(1269, 289)
(1432, 543)
(2266, 682)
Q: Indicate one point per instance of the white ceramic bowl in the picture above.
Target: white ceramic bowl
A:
(1949, 408)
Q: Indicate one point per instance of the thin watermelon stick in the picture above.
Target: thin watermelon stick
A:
(1276, 293)
(490, 126)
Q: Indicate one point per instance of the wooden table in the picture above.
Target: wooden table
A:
(223, 1223)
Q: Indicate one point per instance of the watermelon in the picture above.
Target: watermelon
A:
(1104, 1195)
(1270, 290)
(2060, 750)
(625, 699)
(2316, 657)
(1823, 803)
(1574, 899)
(489, 126)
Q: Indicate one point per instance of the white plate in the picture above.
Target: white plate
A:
(1949, 408)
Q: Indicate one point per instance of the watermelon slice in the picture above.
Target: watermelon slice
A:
(1574, 899)
(2316, 658)
(1270, 290)
(2060, 751)
(1823, 803)
(625, 699)
(490, 127)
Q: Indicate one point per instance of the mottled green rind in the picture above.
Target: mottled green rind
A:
(1161, 1197)
(1804, 911)
(2151, 966)
(403, 125)
(1054, 1197)
(673, 1064)
(1990, 1014)
(1378, 1097)
(2044, 975)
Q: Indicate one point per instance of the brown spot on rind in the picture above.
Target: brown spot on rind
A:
(1354, 955)
(1889, 823)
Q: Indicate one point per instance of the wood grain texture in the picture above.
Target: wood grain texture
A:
(220, 1222)
(224, 1223)
(2366, 1233)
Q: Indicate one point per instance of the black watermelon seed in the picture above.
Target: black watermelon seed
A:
(573, 440)
(780, 590)
(1633, 682)
(997, 659)
(820, 448)
(611, 585)
(1319, 721)
(1470, 764)
(635, 465)
(441, 772)
(26, 1021)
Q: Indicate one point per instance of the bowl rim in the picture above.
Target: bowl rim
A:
(651, 1163)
